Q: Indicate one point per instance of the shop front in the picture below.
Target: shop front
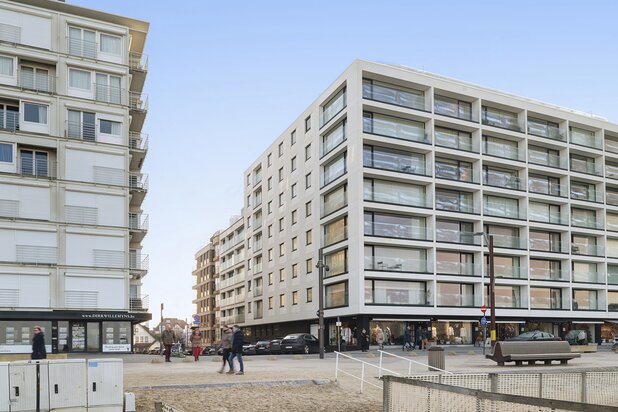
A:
(70, 331)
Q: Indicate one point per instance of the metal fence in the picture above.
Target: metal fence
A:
(411, 395)
(581, 388)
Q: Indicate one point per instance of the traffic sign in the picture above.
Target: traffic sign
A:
(483, 321)
(483, 309)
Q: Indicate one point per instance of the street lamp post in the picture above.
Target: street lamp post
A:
(321, 268)
(492, 283)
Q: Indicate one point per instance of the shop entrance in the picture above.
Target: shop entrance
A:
(85, 337)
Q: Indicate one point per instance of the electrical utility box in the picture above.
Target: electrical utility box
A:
(4, 387)
(67, 385)
(29, 385)
(105, 385)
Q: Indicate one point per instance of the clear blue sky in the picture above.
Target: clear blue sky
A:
(227, 77)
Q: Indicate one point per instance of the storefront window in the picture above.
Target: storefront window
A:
(116, 336)
(16, 336)
(452, 333)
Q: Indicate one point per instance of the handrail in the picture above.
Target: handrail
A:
(362, 377)
(410, 363)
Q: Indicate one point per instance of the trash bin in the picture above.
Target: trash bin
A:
(436, 358)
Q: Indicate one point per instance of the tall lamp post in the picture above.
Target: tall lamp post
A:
(321, 268)
(492, 283)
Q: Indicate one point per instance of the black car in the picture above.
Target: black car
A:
(261, 347)
(299, 343)
(275, 345)
(248, 349)
(535, 335)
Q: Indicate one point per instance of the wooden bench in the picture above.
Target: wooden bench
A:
(532, 352)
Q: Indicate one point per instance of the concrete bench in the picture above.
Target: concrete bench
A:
(532, 352)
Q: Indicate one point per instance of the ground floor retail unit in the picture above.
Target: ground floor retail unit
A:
(446, 331)
(70, 331)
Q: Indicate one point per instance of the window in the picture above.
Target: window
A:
(34, 163)
(544, 212)
(281, 221)
(308, 237)
(585, 299)
(333, 106)
(501, 207)
(269, 159)
(9, 117)
(395, 127)
(336, 295)
(294, 270)
(294, 243)
(294, 217)
(391, 159)
(384, 191)
(498, 177)
(293, 138)
(544, 128)
(269, 183)
(307, 124)
(270, 302)
(280, 199)
(395, 259)
(281, 275)
(6, 153)
(455, 232)
(79, 79)
(336, 231)
(110, 44)
(455, 139)
(309, 295)
(455, 294)
(281, 249)
(334, 169)
(308, 209)
(546, 269)
(392, 94)
(337, 263)
(81, 125)
(269, 207)
(309, 265)
(447, 106)
(495, 146)
(270, 255)
(35, 113)
(387, 292)
(453, 169)
(280, 149)
(544, 156)
(107, 88)
(293, 163)
(295, 297)
(500, 118)
(308, 152)
(395, 226)
(281, 174)
(270, 231)
(281, 300)
(505, 236)
(82, 42)
(454, 201)
(308, 180)
(270, 278)
(294, 190)
(333, 138)
(109, 127)
(455, 263)
(6, 66)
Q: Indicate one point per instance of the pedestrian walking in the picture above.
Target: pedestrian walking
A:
(407, 339)
(237, 342)
(380, 338)
(226, 348)
(168, 337)
(364, 339)
(38, 344)
(196, 341)
(418, 337)
(425, 341)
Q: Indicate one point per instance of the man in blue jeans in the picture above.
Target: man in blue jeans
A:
(237, 342)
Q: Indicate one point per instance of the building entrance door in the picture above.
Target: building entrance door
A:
(93, 337)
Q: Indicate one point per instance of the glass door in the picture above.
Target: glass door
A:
(93, 337)
(78, 337)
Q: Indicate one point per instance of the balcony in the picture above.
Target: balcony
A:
(239, 238)
(395, 95)
(395, 127)
(611, 145)
(9, 120)
(547, 245)
(450, 107)
(40, 83)
(546, 217)
(453, 172)
(502, 211)
(108, 94)
(396, 264)
(231, 281)
(454, 139)
(81, 130)
(138, 147)
(396, 230)
(394, 160)
(46, 255)
(588, 277)
(139, 303)
(500, 119)
(586, 249)
(586, 195)
(257, 291)
(138, 226)
(503, 180)
(611, 198)
(138, 102)
(233, 319)
(228, 263)
(549, 274)
(547, 188)
(546, 130)
(457, 268)
(456, 236)
(508, 272)
(587, 223)
(583, 137)
(509, 242)
(451, 204)
(546, 159)
(405, 196)
(586, 167)
(138, 262)
(501, 150)
(138, 61)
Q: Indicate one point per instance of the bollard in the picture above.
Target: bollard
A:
(435, 359)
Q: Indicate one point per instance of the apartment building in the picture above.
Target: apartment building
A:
(71, 186)
(205, 275)
(393, 172)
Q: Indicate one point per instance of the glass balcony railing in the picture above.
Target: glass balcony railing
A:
(584, 138)
(501, 150)
(395, 127)
(450, 203)
(547, 188)
(545, 159)
(611, 171)
(397, 230)
(456, 236)
(454, 140)
(510, 272)
(447, 106)
(505, 181)
(611, 145)
(396, 197)
(549, 274)
(334, 236)
(502, 211)
(501, 120)
(455, 299)
(582, 166)
(586, 223)
(612, 278)
(546, 245)
(587, 195)
(510, 242)
(332, 205)
(611, 198)
(452, 172)
(547, 131)
(395, 95)
(397, 162)
(588, 277)
(586, 249)
(396, 264)
(457, 268)
(551, 218)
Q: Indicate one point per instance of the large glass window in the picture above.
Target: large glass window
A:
(455, 231)
(545, 185)
(545, 298)
(454, 139)
(395, 226)
(395, 127)
(611, 221)
(544, 156)
(336, 295)
(6, 152)
(584, 164)
(582, 137)
(585, 299)
(542, 269)
(81, 125)
(6, 66)
(455, 294)
(394, 192)
(35, 78)
(116, 336)
(110, 44)
(505, 266)
(387, 292)
(506, 296)
(584, 245)
(336, 231)
(544, 128)
(35, 113)
(585, 272)
(612, 248)
(501, 206)
(545, 241)
(612, 301)
(107, 88)
(34, 163)
(82, 42)
(79, 79)
(109, 127)
(500, 118)
(448, 106)
(495, 146)
(583, 191)
(583, 218)
(454, 169)
(454, 201)
(16, 336)
(505, 236)
(499, 177)
(9, 117)
(455, 263)
(333, 138)
(397, 95)
(383, 258)
(333, 106)
(337, 263)
(544, 212)
(334, 169)
(391, 159)
(334, 200)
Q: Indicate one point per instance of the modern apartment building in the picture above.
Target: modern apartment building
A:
(205, 275)
(71, 186)
(393, 172)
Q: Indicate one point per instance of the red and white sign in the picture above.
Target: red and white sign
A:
(483, 309)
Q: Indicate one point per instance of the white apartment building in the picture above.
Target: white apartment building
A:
(71, 186)
(391, 171)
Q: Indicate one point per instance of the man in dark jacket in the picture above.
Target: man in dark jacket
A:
(38, 344)
(237, 342)
(407, 339)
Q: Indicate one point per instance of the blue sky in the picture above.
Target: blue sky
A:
(226, 78)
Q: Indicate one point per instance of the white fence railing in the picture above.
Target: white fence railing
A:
(363, 365)
(410, 363)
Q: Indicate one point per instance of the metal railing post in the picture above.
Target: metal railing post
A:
(540, 385)
(362, 377)
(380, 368)
(584, 388)
(409, 368)
(336, 365)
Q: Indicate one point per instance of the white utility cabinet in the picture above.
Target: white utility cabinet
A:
(4, 387)
(67, 385)
(105, 385)
(23, 385)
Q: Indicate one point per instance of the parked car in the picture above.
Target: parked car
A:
(274, 345)
(577, 337)
(299, 343)
(535, 335)
(248, 349)
(261, 347)
(209, 350)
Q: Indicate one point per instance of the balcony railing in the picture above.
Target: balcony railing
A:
(611, 198)
(138, 141)
(455, 141)
(584, 138)
(138, 102)
(586, 195)
(457, 268)
(391, 94)
(501, 121)
(586, 249)
(549, 274)
(548, 132)
(458, 173)
(232, 242)
(510, 272)
(453, 109)
(233, 319)
(138, 61)
(396, 264)
(500, 211)
(9, 120)
(138, 221)
(456, 236)
(36, 254)
(81, 130)
(582, 166)
(108, 94)
(138, 181)
(546, 159)
(28, 80)
(395, 127)
(234, 280)
(501, 150)
(510, 242)
(587, 223)
(333, 205)
(397, 197)
(546, 245)
(455, 299)
(588, 277)
(546, 188)
(139, 303)
(611, 145)
(552, 218)
(138, 261)
(82, 48)
(498, 179)
(397, 230)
